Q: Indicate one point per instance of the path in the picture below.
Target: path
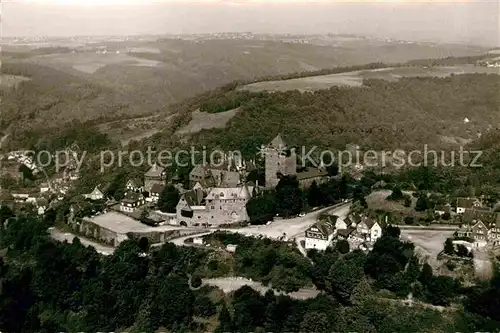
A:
(229, 284)
(482, 264)
(66, 236)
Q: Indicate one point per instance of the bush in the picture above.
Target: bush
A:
(342, 246)
(196, 281)
(409, 220)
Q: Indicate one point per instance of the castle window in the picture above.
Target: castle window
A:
(212, 207)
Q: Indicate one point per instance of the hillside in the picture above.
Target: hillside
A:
(57, 85)
(380, 115)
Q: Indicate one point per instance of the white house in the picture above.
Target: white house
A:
(370, 229)
(96, 194)
(155, 193)
(42, 205)
(467, 203)
(231, 248)
(320, 236)
(44, 187)
(135, 185)
(131, 202)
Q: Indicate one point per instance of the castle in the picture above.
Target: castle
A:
(282, 161)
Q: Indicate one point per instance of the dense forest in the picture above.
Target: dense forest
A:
(49, 286)
(381, 115)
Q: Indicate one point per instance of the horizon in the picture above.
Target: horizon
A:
(472, 22)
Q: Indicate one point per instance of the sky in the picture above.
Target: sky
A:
(474, 21)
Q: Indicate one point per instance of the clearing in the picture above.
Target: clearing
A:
(9, 81)
(204, 120)
(378, 200)
(428, 243)
(355, 79)
(90, 63)
(230, 284)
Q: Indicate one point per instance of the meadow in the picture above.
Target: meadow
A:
(356, 78)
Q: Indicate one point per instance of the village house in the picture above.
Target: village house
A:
(467, 203)
(44, 187)
(155, 175)
(369, 229)
(155, 193)
(191, 208)
(320, 235)
(442, 209)
(131, 202)
(481, 225)
(135, 185)
(480, 234)
(42, 204)
(464, 231)
(95, 195)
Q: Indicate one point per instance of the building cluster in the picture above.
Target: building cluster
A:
(492, 63)
(479, 225)
(361, 232)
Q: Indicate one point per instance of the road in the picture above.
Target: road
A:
(66, 236)
(229, 284)
(292, 228)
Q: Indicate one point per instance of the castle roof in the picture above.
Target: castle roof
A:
(155, 171)
(193, 197)
(277, 142)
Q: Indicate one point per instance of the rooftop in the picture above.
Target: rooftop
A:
(123, 224)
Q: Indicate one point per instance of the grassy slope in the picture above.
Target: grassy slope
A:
(383, 115)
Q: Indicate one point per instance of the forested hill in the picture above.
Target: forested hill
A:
(379, 115)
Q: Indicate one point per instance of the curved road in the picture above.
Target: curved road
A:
(291, 227)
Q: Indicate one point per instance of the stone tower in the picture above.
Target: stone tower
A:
(277, 162)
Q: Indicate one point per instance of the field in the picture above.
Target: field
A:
(90, 62)
(144, 78)
(11, 80)
(428, 243)
(378, 200)
(204, 120)
(355, 79)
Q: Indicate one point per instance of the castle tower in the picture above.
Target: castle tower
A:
(276, 161)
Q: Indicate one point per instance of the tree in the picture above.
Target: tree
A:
(462, 251)
(315, 322)
(288, 197)
(392, 231)
(426, 274)
(314, 196)
(449, 248)
(204, 307)
(168, 200)
(409, 220)
(196, 281)
(396, 194)
(262, 209)
(422, 203)
(345, 275)
(342, 246)
(407, 201)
